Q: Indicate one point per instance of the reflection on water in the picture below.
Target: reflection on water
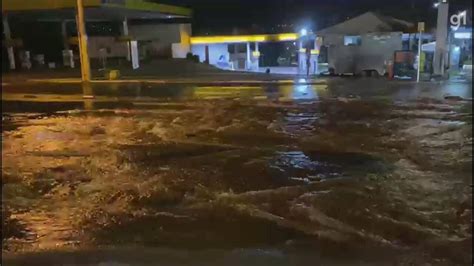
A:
(297, 166)
(298, 123)
(223, 92)
(300, 91)
(96, 96)
(88, 95)
(227, 174)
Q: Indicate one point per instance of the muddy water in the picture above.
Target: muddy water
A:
(295, 178)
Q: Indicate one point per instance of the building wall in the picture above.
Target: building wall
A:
(180, 50)
(165, 40)
(159, 40)
(239, 60)
(373, 53)
(215, 52)
(166, 33)
(114, 48)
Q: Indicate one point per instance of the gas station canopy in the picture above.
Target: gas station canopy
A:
(245, 38)
(95, 10)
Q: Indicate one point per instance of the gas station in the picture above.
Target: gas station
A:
(220, 51)
(82, 11)
(223, 51)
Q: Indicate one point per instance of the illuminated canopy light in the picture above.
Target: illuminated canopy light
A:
(313, 51)
(287, 37)
(435, 5)
(245, 38)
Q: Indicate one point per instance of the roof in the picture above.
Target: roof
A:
(369, 22)
(94, 9)
(245, 38)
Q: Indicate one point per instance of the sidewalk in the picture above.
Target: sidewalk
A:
(214, 79)
(160, 72)
(194, 81)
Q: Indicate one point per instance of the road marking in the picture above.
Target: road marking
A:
(197, 82)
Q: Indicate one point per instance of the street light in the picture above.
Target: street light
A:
(304, 32)
(435, 5)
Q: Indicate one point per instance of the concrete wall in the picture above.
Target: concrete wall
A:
(114, 48)
(159, 40)
(179, 50)
(119, 49)
(171, 40)
(239, 60)
(215, 52)
(167, 33)
(155, 49)
(373, 53)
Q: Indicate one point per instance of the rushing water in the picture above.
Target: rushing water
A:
(281, 175)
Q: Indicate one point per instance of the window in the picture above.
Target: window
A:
(352, 40)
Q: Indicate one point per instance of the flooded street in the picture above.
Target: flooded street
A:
(352, 172)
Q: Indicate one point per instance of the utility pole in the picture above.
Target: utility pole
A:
(421, 28)
(441, 38)
(8, 39)
(82, 36)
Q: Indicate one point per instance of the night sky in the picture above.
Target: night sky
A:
(253, 16)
